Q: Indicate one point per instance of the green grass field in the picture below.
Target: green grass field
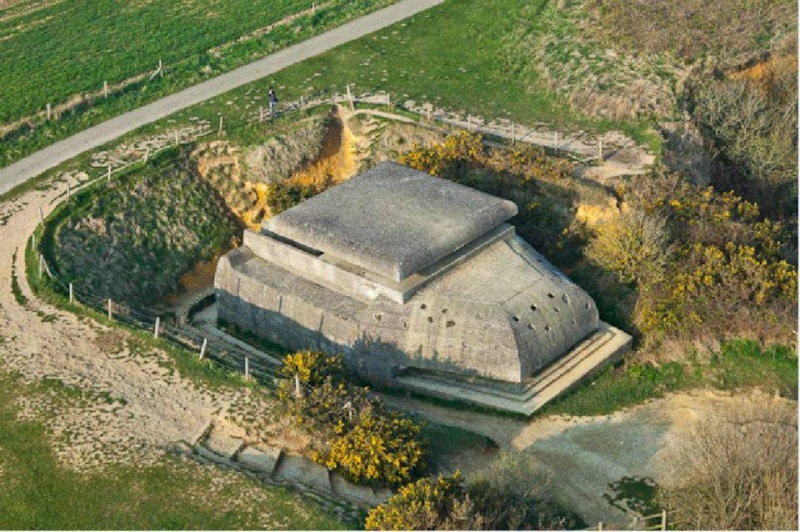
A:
(37, 493)
(53, 52)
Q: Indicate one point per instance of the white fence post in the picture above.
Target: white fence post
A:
(71, 294)
(220, 126)
(600, 149)
(108, 176)
(246, 368)
(49, 111)
(350, 98)
(297, 391)
(158, 323)
(41, 265)
(110, 315)
(105, 89)
(33, 241)
(203, 348)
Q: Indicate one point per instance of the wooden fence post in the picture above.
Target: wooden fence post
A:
(246, 368)
(600, 526)
(313, 9)
(69, 192)
(302, 102)
(41, 265)
(71, 294)
(160, 68)
(350, 98)
(108, 177)
(261, 114)
(177, 138)
(220, 126)
(663, 519)
(513, 134)
(105, 89)
(110, 314)
(203, 348)
(33, 241)
(600, 149)
(158, 323)
(49, 111)
(297, 390)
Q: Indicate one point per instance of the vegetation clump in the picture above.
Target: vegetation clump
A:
(736, 470)
(509, 494)
(357, 435)
(131, 241)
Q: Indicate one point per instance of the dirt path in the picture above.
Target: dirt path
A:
(151, 406)
(66, 149)
(585, 455)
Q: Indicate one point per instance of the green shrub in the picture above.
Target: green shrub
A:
(355, 435)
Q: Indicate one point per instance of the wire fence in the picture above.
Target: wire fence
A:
(259, 367)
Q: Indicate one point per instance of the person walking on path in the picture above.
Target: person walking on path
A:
(273, 102)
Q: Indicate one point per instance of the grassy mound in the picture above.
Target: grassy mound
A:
(131, 241)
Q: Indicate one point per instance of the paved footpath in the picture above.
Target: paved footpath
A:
(109, 130)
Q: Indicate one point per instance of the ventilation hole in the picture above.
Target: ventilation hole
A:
(565, 299)
(556, 309)
(515, 318)
(378, 317)
(547, 328)
(534, 307)
(430, 320)
(551, 295)
(531, 327)
(423, 306)
(450, 323)
(444, 311)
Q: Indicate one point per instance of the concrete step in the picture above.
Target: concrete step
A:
(606, 346)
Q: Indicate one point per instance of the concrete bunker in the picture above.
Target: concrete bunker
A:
(422, 284)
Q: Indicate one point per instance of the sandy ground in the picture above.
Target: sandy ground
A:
(584, 455)
(150, 405)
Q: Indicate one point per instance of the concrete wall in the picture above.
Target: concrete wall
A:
(504, 314)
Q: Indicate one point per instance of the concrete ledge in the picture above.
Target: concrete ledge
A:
(299, 470)
(356, 282)
(364, 496)
(260, 460)
(606, 346)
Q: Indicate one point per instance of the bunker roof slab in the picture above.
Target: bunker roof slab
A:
(391, 220)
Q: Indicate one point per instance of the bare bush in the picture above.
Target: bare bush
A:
(736, 471)
(634, 245)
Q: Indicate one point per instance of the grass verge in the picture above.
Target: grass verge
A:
(37, 493)
(739, 364)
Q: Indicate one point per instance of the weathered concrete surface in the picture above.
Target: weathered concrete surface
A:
(392, 220)
(223, 444)
(504, 314)
(299, 470)
(261, 460)
(361, 495)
